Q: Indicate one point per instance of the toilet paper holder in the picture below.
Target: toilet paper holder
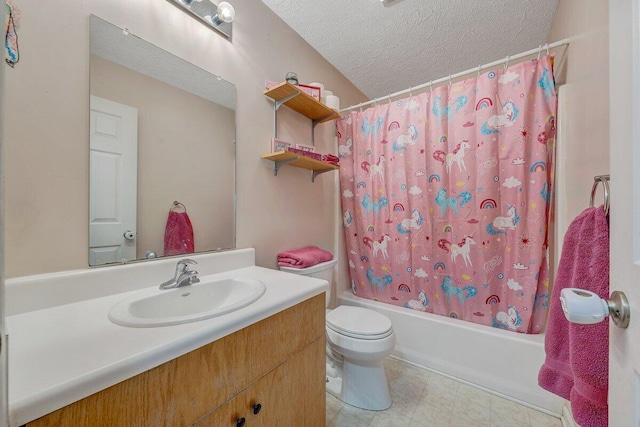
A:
(586, 307)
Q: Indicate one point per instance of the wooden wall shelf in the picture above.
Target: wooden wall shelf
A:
(282, 158)
(291, 96)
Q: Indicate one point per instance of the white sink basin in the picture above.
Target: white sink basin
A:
(209, 298)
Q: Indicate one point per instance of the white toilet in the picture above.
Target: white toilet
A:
(358, 339)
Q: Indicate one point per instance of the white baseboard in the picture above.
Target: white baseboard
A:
(567, 417)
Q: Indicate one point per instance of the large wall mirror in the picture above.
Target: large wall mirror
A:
(162, 152)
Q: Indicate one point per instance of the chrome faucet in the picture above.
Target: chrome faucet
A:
(183, 276)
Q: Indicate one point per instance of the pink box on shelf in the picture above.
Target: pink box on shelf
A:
(268, 84)
(303, 147)
(279, 145)
(314, 91)
(315, 156)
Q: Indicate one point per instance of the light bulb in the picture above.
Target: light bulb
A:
(226, 12)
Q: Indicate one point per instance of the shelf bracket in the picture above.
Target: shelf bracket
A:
(314, 123)
(316, 173)
(281, 163)
(321, 119)
(278, 102)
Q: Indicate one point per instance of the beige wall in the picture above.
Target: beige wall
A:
(46, 132)
(584, 68)
(185, 153)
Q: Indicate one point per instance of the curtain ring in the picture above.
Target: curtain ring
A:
(430, 86)
(360, 105)
(547, 47)
(389, 97)
(506, 64)
(539, 51)
(449, 79)
(410, 92)
(479, 68)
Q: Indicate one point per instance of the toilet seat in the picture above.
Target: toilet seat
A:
(360, 323)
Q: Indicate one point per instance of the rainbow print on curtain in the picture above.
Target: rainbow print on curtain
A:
(446, 196)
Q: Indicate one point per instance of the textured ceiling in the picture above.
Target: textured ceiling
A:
(382, 50)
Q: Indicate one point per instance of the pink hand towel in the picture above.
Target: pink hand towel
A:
(178, 234)
(304, 257)
(577, 361)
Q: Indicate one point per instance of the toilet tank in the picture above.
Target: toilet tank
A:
(323, 271)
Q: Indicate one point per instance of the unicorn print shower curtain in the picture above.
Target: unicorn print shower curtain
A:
(446, 196)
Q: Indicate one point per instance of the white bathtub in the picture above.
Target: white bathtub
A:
(503, 362)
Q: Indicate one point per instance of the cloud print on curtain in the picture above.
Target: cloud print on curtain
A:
(445, 198)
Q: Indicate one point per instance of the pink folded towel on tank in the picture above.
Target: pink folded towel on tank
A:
(304, 257)
(577, 356)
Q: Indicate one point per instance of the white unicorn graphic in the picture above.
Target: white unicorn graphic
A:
(457, 155)
(347, 218)
(506, 119)
(463, 248)
(420, 304)
(346, 150)
(378, 246)
(501, 223)
(404, 140)
(511, 319)
(377, 169)
(415, 222)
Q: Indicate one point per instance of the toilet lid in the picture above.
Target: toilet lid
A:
(359, 322)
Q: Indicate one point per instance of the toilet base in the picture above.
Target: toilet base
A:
(362, 384)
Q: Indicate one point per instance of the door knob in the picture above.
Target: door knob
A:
(129, 235)
(586, 307)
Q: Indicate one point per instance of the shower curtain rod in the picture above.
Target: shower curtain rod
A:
(464, 73)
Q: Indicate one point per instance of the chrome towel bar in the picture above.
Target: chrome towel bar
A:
(604, 179)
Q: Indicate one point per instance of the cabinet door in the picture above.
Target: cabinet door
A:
(293, 394)
(227, 415)
(307, 402)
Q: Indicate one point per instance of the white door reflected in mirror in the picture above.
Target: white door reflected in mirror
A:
(113, 164)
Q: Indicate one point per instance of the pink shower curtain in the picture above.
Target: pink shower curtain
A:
(446, 197)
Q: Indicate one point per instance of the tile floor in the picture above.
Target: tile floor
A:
(422, 398)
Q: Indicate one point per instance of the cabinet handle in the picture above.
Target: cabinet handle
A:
(256, 408)
(240, 422)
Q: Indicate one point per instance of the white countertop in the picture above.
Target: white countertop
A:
(61, 354)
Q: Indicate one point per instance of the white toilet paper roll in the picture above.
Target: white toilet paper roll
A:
(326, 93)
(333, 102)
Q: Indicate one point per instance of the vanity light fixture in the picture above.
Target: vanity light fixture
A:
(219, 17)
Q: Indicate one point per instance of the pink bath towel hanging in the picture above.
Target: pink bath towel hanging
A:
(577, 356)
(178, 233)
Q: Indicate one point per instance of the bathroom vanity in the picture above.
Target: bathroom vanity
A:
(261, 365)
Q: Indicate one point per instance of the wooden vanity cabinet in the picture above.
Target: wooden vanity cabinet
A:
(289, 395)
(278, 363)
